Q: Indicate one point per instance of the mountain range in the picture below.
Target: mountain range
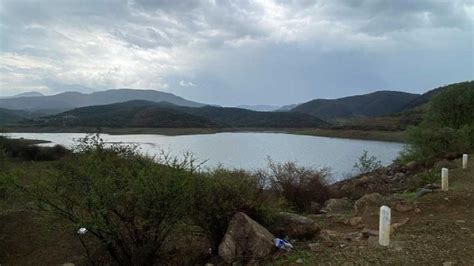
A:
(392, 110)
(70, 100)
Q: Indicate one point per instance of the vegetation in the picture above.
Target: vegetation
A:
(367, 163)
(166, 115)
(134, 206)
(447, 126)
(301, 187)
(22, 149)
(368, 105)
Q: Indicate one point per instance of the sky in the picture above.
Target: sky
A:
(236, 52)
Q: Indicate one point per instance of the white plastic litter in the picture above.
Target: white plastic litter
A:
(282, 244)
(82, 231)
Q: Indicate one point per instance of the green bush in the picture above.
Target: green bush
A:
(128, 202)
(447, 127)
(134, 206)
(24, 150)
(219, 194)
(367, 164)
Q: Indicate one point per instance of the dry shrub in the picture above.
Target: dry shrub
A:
(300, 186)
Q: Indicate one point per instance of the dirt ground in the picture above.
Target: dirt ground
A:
(443, 232)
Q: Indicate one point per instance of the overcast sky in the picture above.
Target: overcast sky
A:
(236, 52)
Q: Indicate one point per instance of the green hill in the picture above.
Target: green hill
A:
(166, 115)
(375, 104)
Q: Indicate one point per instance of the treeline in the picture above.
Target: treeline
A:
(447, 126)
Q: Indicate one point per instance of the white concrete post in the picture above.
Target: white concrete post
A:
(384, 226)
(464, 161)
(444, 179)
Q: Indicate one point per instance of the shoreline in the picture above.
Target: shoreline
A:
(374, 135)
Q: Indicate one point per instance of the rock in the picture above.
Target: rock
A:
(417, 210)
(299, 261)
(422, 191)
(399, 176)
(313, 246)
(412, 166)
(328, 236)
(395, 226)
(353, 221)
(295, 226)
(315, 208)
(432, 186)
(245, 238)
(403, 206)
(366, 233)
(337, 205)
(354, 236)
(368, 203)
(445, 164)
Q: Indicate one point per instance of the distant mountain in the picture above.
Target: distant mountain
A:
(70, 100)
(29, 94)
(286, 108)
(259, 108)
(374, 104)
(150, 114)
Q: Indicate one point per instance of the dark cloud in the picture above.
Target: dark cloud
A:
(235, 52)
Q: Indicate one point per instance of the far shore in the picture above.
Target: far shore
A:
(378, 135)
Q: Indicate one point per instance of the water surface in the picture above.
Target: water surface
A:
(249, 150)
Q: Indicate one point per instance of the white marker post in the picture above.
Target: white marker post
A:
(384, 226)
(444, 179)
(464, 161)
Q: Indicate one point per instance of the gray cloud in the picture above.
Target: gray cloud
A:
(235, 52)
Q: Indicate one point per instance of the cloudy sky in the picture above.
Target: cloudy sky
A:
(236, 52)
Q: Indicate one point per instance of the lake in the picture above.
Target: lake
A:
(249, 150)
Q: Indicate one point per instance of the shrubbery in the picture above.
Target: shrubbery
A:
(23, 150)
(299, 186)
(132, 204)
(447, 127)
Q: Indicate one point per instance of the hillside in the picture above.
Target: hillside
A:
(375, 104)
(149, 114)
(411, 114)
(70, 100)
(10, 117)
(129, 114)
(425, 97)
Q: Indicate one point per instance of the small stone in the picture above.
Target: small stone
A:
(417, 210)
(313, 246)
(366, 233)
(395, 226)
(355, 220)
(299, 261)
(422, 191)
(403, 206)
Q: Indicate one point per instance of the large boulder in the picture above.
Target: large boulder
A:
(295, 226)
(343, 205)
(245, 238)
(368, 202)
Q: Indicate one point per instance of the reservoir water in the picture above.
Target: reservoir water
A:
(248, 150)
